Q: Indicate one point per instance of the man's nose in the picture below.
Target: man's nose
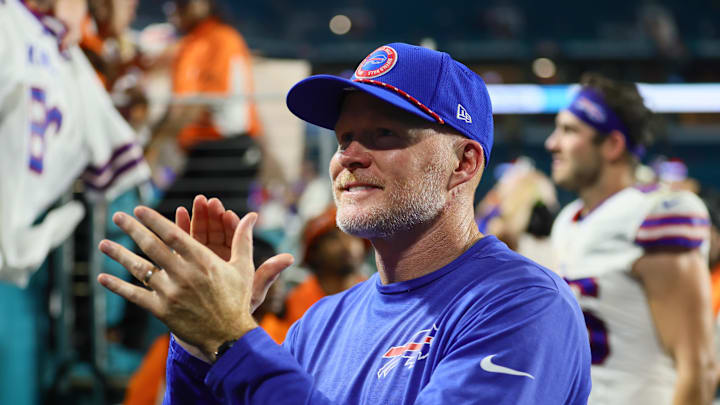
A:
(354, 156)
(551, 142)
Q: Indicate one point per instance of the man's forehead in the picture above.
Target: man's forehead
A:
(565, 117)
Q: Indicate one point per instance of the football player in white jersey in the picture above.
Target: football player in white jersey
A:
(56, 123)
(636, 258)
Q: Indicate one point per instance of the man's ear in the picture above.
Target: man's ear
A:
(614, 146)
(470, 163)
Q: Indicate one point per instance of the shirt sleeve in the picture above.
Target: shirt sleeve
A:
(677, 220)
(10, 51)
(184, 378)
(526, 345)
(258, 371)
(116, 158)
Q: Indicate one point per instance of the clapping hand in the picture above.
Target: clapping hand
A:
(208, 286)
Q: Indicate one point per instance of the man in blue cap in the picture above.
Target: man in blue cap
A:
(451, 315)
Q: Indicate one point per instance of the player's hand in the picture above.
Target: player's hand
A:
(202, 298)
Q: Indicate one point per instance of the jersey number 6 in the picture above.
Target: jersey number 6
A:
(42, 118)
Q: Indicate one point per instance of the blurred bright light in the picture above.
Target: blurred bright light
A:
(428, 43)
(340, 24)
(544, 68)
(549, 99)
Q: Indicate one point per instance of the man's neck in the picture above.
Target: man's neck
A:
(414, 253)
(611, 181)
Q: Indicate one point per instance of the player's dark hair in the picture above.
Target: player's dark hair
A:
(625, 100)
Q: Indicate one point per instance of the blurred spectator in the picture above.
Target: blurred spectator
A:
(504, 20)
(106, 39)
(673, 173)
(335, 260)
(658, 23)
(211, 83)
(711, 198)
(57, 123)
(520, 209)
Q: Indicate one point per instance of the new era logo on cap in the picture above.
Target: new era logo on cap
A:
(462, 114)
(424, 82)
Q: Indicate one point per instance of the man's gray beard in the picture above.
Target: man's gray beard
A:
(409, 206)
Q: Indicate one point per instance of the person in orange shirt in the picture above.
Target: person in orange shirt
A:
(335, 259)
(712, 202)
(212, 87)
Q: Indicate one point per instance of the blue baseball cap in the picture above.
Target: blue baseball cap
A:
(427, 83)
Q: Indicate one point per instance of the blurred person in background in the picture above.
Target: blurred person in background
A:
(57, 123)
(673, 173)
(711, 198)
(212, 89)
(636, 258)
(520, 210)
(106, 39)
(335, 260)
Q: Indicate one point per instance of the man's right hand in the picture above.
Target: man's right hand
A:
(214, 226)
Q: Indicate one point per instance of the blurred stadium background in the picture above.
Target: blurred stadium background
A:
(519, 42)
(529, 53)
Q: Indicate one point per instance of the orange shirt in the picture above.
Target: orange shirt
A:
(209, 60)
(302, 297)
(715, 289)
(92, 42)
(275, 327)
(145, 384)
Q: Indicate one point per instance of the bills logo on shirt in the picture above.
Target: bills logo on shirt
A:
(381, 61)
(417, 348)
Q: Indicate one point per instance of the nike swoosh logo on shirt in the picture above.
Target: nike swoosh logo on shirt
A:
(487, 365)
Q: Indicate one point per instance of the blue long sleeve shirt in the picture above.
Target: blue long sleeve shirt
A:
(491, 327)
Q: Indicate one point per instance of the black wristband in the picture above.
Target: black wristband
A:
(224, 348)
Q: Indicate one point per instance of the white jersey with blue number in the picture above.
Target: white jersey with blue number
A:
(595, 254)
(56, 123)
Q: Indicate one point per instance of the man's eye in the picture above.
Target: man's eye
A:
(343, 141)
(383, 133)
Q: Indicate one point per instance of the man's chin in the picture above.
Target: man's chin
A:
(566, 184)
(364, 231)
(360, 224)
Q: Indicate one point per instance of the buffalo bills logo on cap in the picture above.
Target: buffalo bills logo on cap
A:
(381, 61)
